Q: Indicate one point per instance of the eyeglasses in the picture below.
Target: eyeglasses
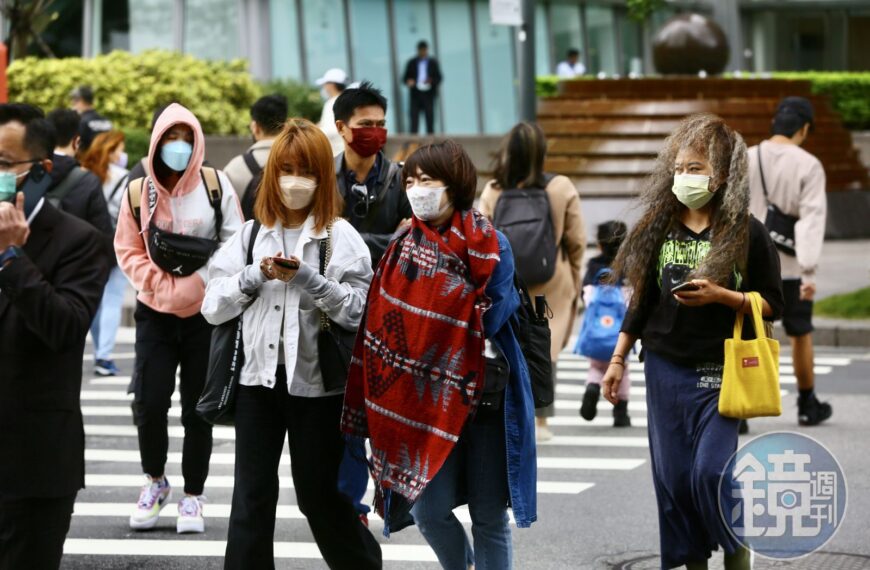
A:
(361, 208)
(6, 165)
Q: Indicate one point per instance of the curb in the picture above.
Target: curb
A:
(834, 332)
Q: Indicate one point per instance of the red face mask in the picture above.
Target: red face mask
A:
(368, 140)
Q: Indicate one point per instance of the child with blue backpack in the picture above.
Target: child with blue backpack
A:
(606, 302)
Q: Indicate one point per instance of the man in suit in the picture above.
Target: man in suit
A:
(52, 273)
(423, 76)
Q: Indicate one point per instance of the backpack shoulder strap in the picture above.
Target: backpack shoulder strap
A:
(252, 163)
(117, 187)
(59, 192)
(212, 183)
(761, 171)
(134, 197)
(255, 229)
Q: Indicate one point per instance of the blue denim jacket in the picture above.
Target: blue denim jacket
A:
(519, 409)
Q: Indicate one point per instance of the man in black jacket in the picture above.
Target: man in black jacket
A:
(91, 123)
(375, 204)
(52, 275)
(423, 76)
(73, 189)
(371, 186)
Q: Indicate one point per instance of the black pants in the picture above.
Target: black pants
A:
(163, 342)
(422, 101)
(32, 532)
(263, 416)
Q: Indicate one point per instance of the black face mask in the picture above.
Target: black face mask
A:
(35, 187)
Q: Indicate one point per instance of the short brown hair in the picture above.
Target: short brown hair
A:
(446, 161)
(303, 147)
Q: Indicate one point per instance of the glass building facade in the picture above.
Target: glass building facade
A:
(373, 39)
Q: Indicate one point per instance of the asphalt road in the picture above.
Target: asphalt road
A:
(596, 504)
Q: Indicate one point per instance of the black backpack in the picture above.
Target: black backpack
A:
(523, 216)
(250, 195)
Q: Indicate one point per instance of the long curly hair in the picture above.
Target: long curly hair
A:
(709, 136)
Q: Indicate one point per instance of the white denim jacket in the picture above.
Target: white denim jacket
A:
(234, 288)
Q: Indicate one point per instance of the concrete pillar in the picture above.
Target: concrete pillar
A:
(727, 14)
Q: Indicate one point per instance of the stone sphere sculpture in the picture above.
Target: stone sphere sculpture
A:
(688, 44)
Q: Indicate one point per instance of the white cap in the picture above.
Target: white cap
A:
(334, 75)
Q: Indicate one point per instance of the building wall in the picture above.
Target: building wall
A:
(373, 39)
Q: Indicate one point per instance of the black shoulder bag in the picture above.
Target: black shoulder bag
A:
(226, 357)
(779, 224)
(532, 329)
(334, 343)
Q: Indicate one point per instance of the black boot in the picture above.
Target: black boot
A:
(812, 412)
(589, 407)
(620, 414)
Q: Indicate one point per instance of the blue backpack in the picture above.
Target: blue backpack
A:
(602, 320)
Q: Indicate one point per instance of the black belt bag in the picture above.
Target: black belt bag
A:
(178, 254)
(781, 228)
(779, 224)
(495, 381)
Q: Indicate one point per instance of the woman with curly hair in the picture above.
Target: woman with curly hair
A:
(690, 259)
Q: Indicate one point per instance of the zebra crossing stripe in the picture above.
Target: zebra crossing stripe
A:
(174, 458)
(595, 441)
(222, 511)
(227, 433)
(153, 547)
(227, 481)
(112, 430)
(604, 420)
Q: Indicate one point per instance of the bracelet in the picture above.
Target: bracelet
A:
(617, 363)
(614, 355)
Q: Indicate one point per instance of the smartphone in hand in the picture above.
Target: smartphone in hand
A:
(686, 286)
(285, 263)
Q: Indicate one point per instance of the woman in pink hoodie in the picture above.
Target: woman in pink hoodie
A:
(168, 227)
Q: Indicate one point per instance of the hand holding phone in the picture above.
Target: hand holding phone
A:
(284, 263)
(686, 286)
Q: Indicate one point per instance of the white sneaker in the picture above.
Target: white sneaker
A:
(154, 496)
(190, 515)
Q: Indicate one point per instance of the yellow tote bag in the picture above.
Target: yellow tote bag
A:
(750, 378)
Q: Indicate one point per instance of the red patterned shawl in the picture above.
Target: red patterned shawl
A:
(418, 364)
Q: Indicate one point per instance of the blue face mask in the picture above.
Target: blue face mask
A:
(176, 155)
(9, 185)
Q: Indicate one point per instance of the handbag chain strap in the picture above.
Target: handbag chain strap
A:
(325, 256)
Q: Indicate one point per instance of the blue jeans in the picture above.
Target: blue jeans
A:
(478, 460)
(353, 476)
(104, 328)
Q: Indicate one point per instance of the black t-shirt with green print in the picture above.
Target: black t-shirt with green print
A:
(693, 335)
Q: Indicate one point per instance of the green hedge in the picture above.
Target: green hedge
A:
(136, 144)
(129, 87)
(849, 92)
(302, 100)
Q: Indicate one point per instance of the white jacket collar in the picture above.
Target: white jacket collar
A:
(308, 231)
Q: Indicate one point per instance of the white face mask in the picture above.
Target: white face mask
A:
(297, 191)
(693, 190)
(426, 202)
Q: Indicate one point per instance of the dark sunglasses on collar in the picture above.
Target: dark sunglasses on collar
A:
(364, 200)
